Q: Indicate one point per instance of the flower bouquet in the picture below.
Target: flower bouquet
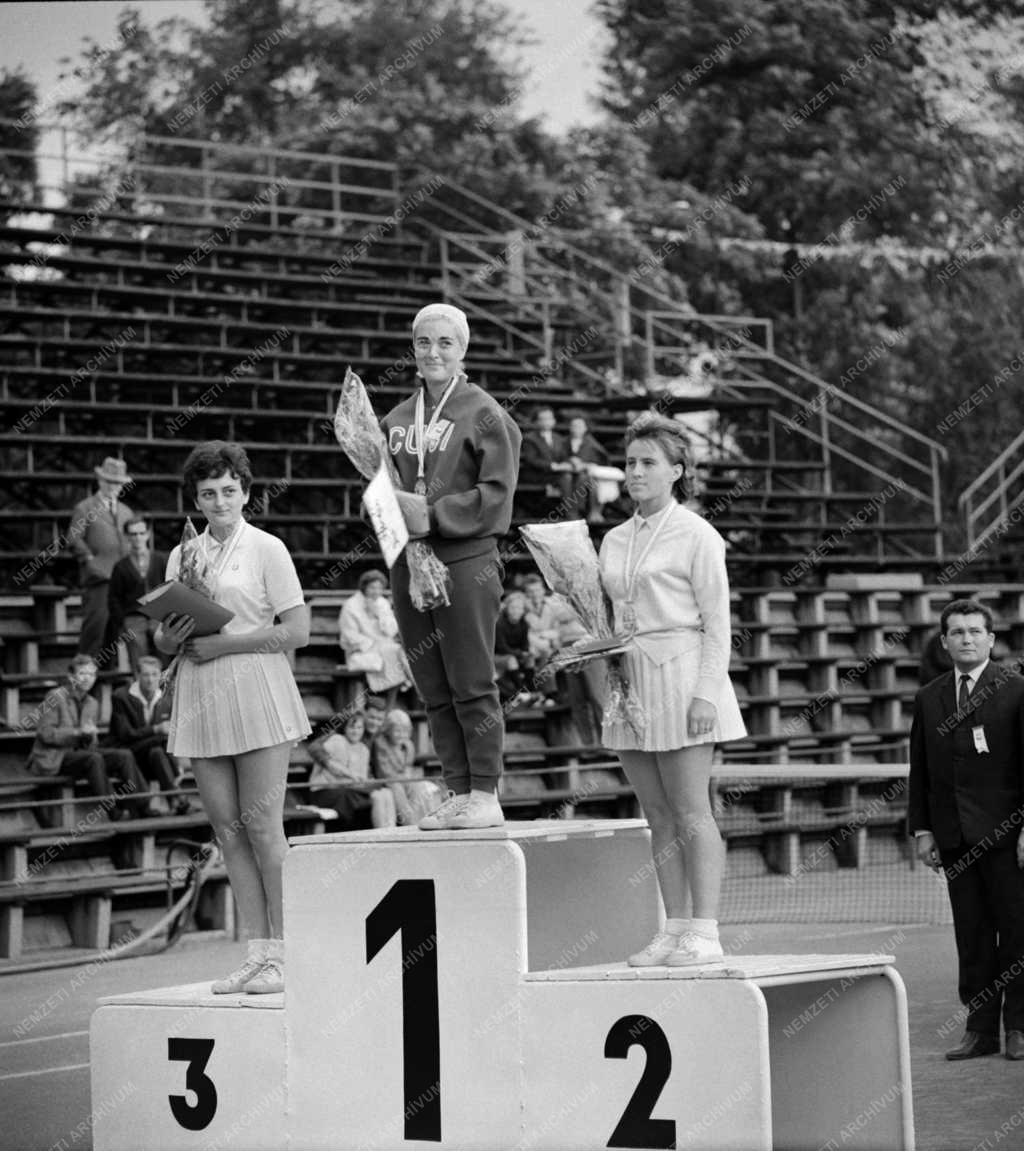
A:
(358, 432)
(568, 562)
(192, 572)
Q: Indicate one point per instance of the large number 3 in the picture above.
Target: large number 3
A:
(636, 1128)
(410, 908)
(196, 1053)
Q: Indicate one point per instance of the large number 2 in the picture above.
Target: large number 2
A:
(636, 1128)
(196, 1053)
(410, 908)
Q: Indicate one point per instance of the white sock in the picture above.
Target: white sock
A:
(677, 926)
(484, 793)
(705, 927)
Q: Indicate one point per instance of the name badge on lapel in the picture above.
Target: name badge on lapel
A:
(980, 742)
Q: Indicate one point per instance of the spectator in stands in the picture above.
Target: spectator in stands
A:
(409, 797)
(341, 766)
(584, 453)
(512, 658)
(375, 710)
(664, 570)
(140, 720)
(369, 637)
(67, 743)
(457, 454)
(545, 460)
(966, 812)
(935, 659)
(97, 539)
(237, 711)
(586, 688)
(542, 620)
(141, 570)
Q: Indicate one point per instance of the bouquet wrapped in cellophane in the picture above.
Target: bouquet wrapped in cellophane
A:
(568, 562)
(359, 434)
(192, 572)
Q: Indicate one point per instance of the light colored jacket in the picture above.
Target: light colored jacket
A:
(59, 729)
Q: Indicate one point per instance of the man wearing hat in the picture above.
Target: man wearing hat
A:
(97, 539)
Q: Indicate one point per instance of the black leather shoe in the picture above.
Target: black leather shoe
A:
(1014, 1045)
(975, 1044)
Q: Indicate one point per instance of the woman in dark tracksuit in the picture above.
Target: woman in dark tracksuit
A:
(457, 453)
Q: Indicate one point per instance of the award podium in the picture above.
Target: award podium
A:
(468, 990)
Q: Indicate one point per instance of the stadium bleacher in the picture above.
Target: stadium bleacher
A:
(118, 339)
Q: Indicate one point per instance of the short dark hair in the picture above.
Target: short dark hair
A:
(136, 519)
(211, 460)
(542, 408)
(671, 437)
(80, 660)
(372, 576)
(149, 661)
(965, 607)
(375, 703)
(576, 414)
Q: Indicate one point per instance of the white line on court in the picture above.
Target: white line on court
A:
(44, 1038)
(43, 1071)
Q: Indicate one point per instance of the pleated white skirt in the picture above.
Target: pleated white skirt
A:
(664, 692)
(235, 703)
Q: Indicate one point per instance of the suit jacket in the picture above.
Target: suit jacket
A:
(127, 584)
(96, 537)
(61, 717)
(589, 451)
(128, 727)
(536, 456)
(959, 794)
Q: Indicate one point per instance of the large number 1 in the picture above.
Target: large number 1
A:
(410, 908)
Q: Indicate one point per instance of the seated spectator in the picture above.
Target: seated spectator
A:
(339, 761)
(133, 575)
(375, 710)
(586, 688)
(512, 657)
(409, 797)
(369, 637)
(140, 720)
(544, 459)
(585, 453)
(541, 618)
(67, 743)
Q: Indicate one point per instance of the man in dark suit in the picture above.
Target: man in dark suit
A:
(544, 459)
(140, 719)
(966, 811)
(141, 570)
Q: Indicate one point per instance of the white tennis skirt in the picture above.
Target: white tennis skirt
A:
(663, 692)
(235, 703)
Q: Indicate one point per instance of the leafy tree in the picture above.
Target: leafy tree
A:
(18, 133)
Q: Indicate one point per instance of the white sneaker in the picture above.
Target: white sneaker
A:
(694, 948)
(269, 980)
(656, 952)
(236, 981)
(440, 819)
(481, 810)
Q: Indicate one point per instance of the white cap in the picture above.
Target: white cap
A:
(455, 316)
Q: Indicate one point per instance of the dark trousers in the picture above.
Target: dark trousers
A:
(451, 653)
(95, 619)
(154, 762)
(98, 764)
(986, 892)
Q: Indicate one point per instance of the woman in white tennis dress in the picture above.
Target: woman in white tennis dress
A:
(664, 570)
(237, 711)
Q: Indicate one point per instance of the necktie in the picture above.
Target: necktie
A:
(965, 694)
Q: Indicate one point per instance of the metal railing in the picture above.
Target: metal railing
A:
(993, 499)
